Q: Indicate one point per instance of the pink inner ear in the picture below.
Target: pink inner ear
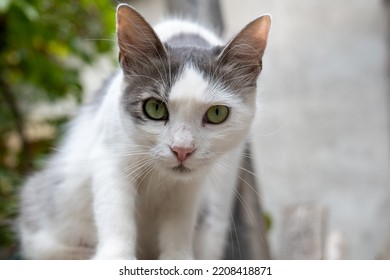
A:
(256, 34)
(138, 43)
(263, 27)
(133, 29)
(248, 45)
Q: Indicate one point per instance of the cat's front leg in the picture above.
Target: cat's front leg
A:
(178, 223)
(114, 210)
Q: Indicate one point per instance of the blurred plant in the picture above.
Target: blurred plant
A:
(43, 43)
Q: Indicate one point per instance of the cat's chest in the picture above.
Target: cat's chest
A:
(152, 197)
(158, 197)
(150, 202)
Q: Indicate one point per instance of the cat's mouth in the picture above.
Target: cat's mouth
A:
(182, 169)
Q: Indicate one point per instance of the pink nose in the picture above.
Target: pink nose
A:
(182, 152)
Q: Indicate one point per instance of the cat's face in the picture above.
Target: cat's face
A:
(187, 106)
(184, 130)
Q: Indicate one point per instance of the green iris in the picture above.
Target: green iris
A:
(156, 109)
(217, 114)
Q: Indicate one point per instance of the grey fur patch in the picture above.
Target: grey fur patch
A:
(155, 81)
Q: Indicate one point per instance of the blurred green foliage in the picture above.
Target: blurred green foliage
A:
(43, 43)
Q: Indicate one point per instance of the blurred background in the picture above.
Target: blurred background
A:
(322, 141)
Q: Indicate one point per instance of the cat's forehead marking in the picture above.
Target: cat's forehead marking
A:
(190, 85)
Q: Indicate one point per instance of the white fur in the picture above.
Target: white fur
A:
(122, 200)
(169, 28)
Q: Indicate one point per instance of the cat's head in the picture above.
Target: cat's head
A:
(187, 105)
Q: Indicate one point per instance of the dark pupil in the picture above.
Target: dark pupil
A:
(217, 111)
(157, 106)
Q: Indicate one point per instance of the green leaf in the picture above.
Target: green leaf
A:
(43, 47)
(4, 5)
(28, 9)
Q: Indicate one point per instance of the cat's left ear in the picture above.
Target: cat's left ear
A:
(138, 43)
(245, 51)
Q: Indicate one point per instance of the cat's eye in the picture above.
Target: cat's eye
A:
(156, 109)
(217, 114)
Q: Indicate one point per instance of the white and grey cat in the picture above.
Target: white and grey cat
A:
(148, 170)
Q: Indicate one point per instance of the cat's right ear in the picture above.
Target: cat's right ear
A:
(137, 41)
(243, 54)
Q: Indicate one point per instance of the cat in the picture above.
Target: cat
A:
(148, 169)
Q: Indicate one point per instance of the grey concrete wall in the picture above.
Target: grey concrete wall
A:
(323, 133)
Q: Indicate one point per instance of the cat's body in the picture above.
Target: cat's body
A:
(149, 169)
